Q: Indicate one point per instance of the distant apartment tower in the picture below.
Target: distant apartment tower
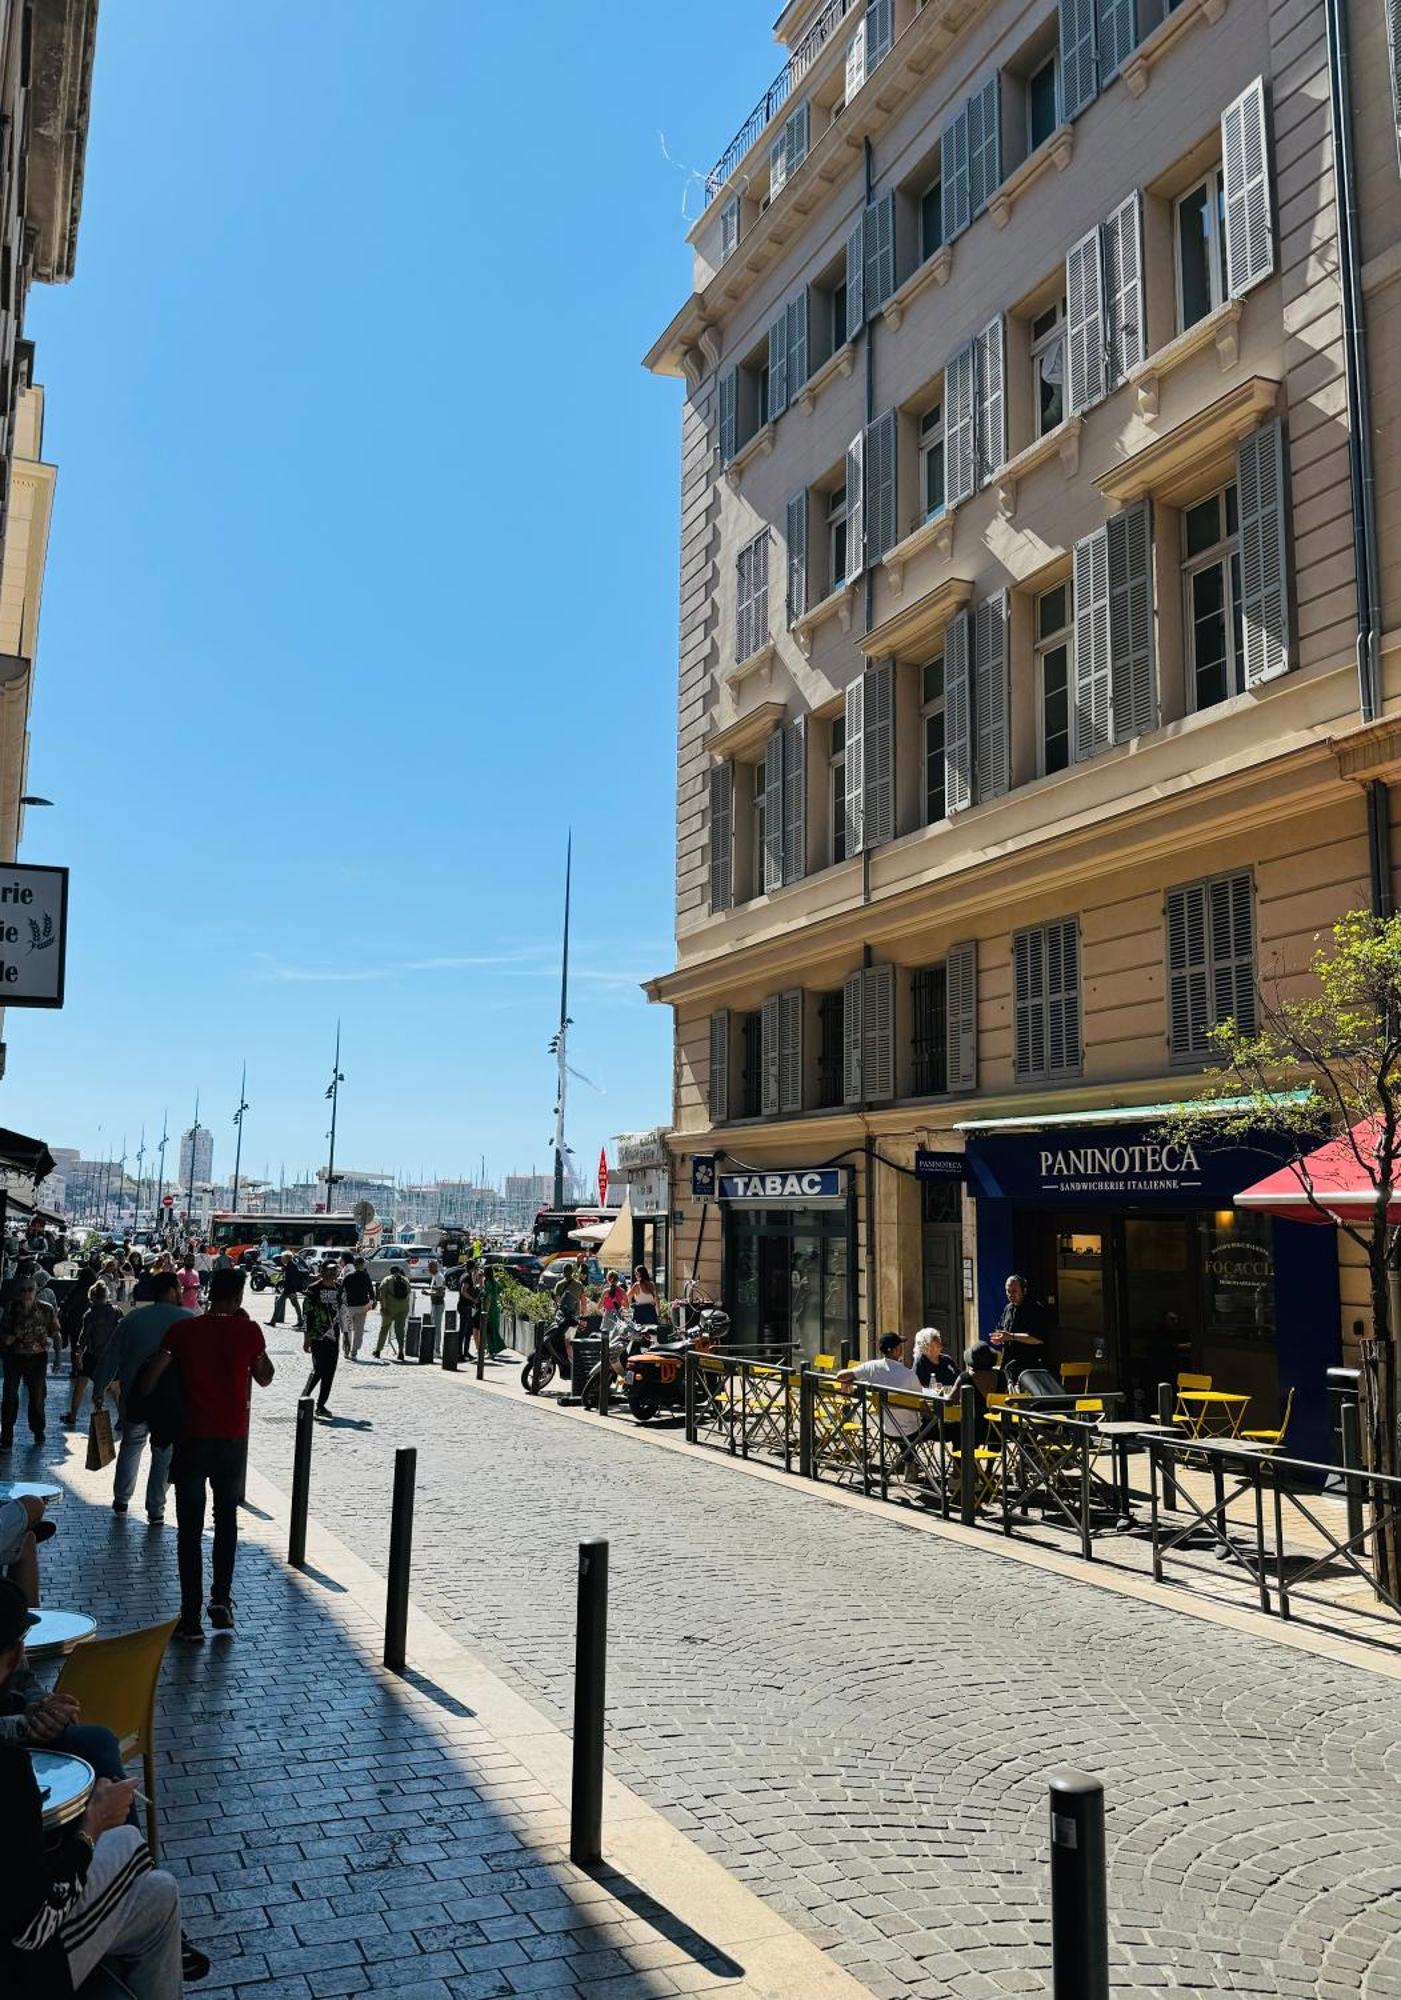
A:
(526, 1194)
(196, 1145)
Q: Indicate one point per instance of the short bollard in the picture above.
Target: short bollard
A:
(411, 1333)
(967, 1458)
(451, 1356)
(427, 1343)
(1165, 1404)
(481, 1345)
(590, 1674)
(1352, 1461)
(396, 1607)
(301, 1482)
(1079, 1899)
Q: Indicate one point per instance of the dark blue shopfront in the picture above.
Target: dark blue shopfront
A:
(1146, 1269)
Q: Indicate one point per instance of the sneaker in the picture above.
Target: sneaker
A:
(324, 1410)
(119, 1506)
(194, 1963)
(155, 1520)
(192, 1633)
(221, 1616)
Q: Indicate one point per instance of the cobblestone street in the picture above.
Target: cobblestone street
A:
(859, 1720)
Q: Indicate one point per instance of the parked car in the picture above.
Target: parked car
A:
(517, 1264)
(410, 1258)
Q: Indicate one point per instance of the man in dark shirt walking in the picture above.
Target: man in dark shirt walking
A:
(359, 1291)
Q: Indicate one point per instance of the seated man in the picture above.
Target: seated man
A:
(889, 1372)
(39, 1721)
(22, 1528)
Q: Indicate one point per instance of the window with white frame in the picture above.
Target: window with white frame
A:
(931, 460)
(1042, 102)
(836, 788)
(1048, 366)
(1212, 590)
(932, 738)
(1053, 642)
(931, 219)
(1200, 238)
(836, 537)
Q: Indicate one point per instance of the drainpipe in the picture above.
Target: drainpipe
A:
(869, 578)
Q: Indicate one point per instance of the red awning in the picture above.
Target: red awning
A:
(1337, 1176)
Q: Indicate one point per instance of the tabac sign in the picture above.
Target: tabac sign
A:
(33, 935)
(784, 1186)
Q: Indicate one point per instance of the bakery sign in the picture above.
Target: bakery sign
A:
(33, 935)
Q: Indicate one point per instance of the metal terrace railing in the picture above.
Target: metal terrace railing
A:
(778, 93)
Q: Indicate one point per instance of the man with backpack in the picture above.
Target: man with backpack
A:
(132, 1345)
(395, 1293)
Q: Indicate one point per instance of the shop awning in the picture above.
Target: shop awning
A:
(30, 1157)
(1337, 1174)
(1114, 1114)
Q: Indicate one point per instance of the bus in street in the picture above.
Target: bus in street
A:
(238, 1233)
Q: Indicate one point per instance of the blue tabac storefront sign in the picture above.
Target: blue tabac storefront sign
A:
(1091, 1166)
(784, 1184)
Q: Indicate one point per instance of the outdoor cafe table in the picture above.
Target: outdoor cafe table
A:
(57, 1633)
(64, 1786)
(30, 1489)
(1123, 1437)
(1201, 1407)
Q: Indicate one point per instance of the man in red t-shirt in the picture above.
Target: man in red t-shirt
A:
(216, 1353)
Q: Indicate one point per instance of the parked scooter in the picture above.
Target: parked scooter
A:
(551, 1356)
(655, 1380)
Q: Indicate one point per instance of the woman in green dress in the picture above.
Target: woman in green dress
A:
(491, 1310)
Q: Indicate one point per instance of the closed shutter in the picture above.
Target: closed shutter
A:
(1232, 909)
(795, 800)
(881, 485)
(856, 60)
(1090, 669)
(961, 1015)
(853, 1037)
(855, 765)
(773, 812)
(778, 163)
(878, 252)
(790, 1050)
(752, 596)
(797, 135)
(1116, 33)
(729, 229)
(992, 401)
(770, 1028)
(984, 145)
(1245, 190)
(856, 506)
(778, 368)
(1079, 73)
(855, 280)
(797, 533)
(1132, 702)
(722, 823)
(1123, 289)
(1264, 553)
(992, 697)
(960, 425)
(1084, 325)
(1029, 1003)
(729, 415)
(1062, 998)
(958, 715)
(878, 1036)
(879, 31)
(953, 175)
(1189, 995)
(878, 754)
(797, 343)
(720, 1066)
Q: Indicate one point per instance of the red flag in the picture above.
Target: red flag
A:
(603, 1176)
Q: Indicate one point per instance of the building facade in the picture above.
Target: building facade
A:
(1040, 655)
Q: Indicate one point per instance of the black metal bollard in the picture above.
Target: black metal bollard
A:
(1351, 1438)
(452, 1341)
(480, 1317)
(301, 1482)
(590, 1676)
(688, 1377)
(967, 1462)
(427, 1342)
(1079, 1898)
(1165, 1407)
(396, 1607)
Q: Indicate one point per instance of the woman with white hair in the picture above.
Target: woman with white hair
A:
(935, 1369)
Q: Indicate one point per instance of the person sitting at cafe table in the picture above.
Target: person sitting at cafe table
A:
(935, 1369)
(22, 1528)
(889, 1372)
(1020, 1335)
(39, 1721)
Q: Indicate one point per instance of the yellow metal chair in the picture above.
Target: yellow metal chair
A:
(826, 1362)
(1076, 1374)
(1089, 1406)
(114, 1683)
(1273, 1439)
(1193, 1382)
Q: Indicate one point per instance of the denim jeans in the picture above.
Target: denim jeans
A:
(32, 1371)
(216, 1464)
(134, 1439)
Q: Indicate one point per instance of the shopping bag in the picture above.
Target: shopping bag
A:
(101, 1449)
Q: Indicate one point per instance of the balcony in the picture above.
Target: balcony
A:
(778, 93)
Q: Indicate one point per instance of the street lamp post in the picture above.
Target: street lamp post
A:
(140, 1164)
(333, 1092)
(238, 1120)
(194, 1148)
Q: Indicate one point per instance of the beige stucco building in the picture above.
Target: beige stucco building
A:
(1038, 653)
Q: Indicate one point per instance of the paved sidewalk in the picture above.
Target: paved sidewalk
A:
(338, 1830)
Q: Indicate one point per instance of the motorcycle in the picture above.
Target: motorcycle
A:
(654, 1380)
(551, 1356)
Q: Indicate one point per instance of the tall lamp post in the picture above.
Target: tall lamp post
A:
(194, 1148)
(238, 1120)
(333, 1091)
(140, 1163)
(160, 1168)
(558, 1045)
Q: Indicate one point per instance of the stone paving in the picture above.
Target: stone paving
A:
(859, 1720)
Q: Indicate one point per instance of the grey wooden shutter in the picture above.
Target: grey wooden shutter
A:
(790, 1050)
(1090, 668)
(1132, 696)
(879, 31)
(878, 754)
(960, 425)
(855, 765)
(992, 401)
(729, 415)
(729, 229)
(1189, 1004)
(961, 1015)
(1029, 1003)
(1123, 288)
(795, 800)
(855, 280)
(797, 536)
(856, 506)
(722, 823)
(797, 343)
(797, 135)
(773, 812)
(992, 696)
(778, 368)
(1079, 70)
(881, 485)
(1084, 325)
(1116, 35)
(853, 1037)
(1245, 189)
(778, 163)
(878, 253)
(1062, 998)
(745, 573)
(1264, 553)
(878, 1034)
(770, 1030)
(720, 1066)
(856, 60)
(953, 173)
(1231, 903)
(958, 715)
(984, 145)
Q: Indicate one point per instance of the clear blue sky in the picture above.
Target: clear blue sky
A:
(362, 583)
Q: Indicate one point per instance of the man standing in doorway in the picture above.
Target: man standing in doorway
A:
(216, 1353)
(1020, 1335)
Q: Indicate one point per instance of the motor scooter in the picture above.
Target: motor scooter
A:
(551, 1355)
(655, 1379)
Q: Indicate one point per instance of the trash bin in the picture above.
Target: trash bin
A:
(588, 1352)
